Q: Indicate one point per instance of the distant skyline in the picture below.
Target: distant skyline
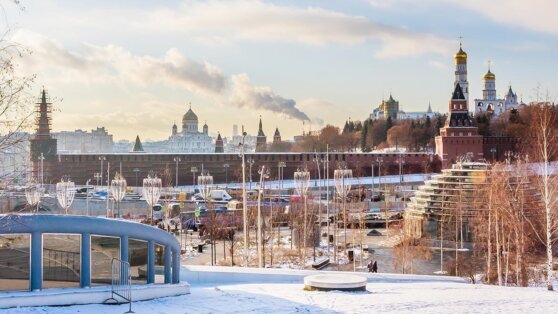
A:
(134, 66)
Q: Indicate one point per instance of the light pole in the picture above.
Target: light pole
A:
(33, 195)
(151, 191)
(42, 159)
(193, 170)
(205, 183)
(302, 182)
(87, 196)
(244, 210)
(401, 163)
(250, 163)
(317, 160)
(65, 192)
(327, 193)
(136, 171)
(280, 167)
(176, 160)
(226, 166)
(118, 191)
(342, 187)
(493, 151)
(97, 177)
(264, 174)
(102, 159)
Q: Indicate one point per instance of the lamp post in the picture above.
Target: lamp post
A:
(193, 170)
(65, 192)
(342, 187)
(102, 159)
(264, 174)
(176, 160)
(401, 163)
(250, 164)
(136, 171)
(97, 177)
(317, 160)
(280, 171)
(42, 159)
(33, 195)
(327, 193)
(493, 151)
(118, 191)
(226, 166)
(302, 182)
(244, 210)
(205, 183)
(87, 196)
(151, 191)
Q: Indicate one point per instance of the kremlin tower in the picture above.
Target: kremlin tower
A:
(43, 152)
(261, 139)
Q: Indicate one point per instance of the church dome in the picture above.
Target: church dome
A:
(461, 56)
(489, 76)
(190, 116)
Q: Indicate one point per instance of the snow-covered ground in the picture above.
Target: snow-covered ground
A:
(382, 297)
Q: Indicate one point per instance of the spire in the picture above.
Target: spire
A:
(260, 128)
(44, 110)
(138, 148)
(430, 107)
(458, 93)
(277, 132)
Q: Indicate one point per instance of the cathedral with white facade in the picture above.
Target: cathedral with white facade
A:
(190, 139)
(489, 103)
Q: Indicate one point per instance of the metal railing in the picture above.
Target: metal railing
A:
(121, 288)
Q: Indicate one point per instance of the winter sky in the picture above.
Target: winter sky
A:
(133, 66)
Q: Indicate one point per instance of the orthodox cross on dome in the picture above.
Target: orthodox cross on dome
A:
(460, 41)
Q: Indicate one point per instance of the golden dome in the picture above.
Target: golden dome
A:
(461, 55)
(489, 76)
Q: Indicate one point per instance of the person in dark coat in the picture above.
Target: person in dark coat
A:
(375, 267)
(370, 266)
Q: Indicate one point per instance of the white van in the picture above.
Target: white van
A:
(220, 195)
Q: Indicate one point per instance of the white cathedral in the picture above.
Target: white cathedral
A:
(190, 140)
(490, 102)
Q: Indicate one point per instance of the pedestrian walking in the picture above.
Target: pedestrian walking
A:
(370, 266)
(375, 267)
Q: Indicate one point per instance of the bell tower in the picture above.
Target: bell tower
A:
(43, 150)
(461, 70)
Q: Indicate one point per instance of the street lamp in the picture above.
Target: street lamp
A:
(33, 195)
(176, 160)
(317, 160)
(401, 163)
(205, 182)
(264, 174)
(118, 191)
(342, 182)
(302, 182)
(151, 191)
(226, 166)
(493, 151)
(65, 192)
(193, 170)
(280, 167)
(250, 163)
(244, 210)
(97, 176)
(136, 171)
(102, 159)
(42, 159)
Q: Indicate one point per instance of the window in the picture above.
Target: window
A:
(103, 250)
(14, 261)
(61, 260)
(137, 257)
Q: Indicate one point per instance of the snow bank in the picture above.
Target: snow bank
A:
(210, 275)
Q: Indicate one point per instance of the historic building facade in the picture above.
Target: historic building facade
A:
(490, 103)
(190, 139)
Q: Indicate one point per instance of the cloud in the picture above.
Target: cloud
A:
(260, 21)
(438, 64)
(244, 94)
(535, 15)
(116, 63)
